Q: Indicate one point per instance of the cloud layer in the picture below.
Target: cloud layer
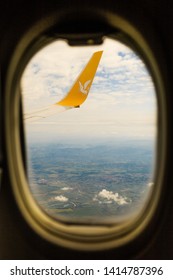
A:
(121, 100)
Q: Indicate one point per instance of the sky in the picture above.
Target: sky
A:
(121, 104)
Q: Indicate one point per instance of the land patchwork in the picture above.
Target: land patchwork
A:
(95, 184)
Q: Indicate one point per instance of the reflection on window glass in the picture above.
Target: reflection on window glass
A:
(90, 124)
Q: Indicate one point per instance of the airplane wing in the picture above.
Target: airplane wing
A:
(44, 113)
(76, 95)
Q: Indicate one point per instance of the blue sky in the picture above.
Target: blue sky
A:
(121, 103)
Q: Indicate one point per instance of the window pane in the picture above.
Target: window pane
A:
(90, 140)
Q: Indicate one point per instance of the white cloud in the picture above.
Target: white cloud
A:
(66, 189)
(61, 198)
(110, 196)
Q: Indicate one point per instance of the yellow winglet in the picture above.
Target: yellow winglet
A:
(79, 91)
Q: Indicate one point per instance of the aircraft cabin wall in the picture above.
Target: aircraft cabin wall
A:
(153, 19)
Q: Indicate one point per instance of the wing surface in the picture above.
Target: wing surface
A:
(43, 113)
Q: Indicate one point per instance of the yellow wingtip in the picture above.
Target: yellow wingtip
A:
(79, 91)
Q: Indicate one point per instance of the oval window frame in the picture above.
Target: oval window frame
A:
(84, 237)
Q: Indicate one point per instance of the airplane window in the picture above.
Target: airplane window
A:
(90, 117)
